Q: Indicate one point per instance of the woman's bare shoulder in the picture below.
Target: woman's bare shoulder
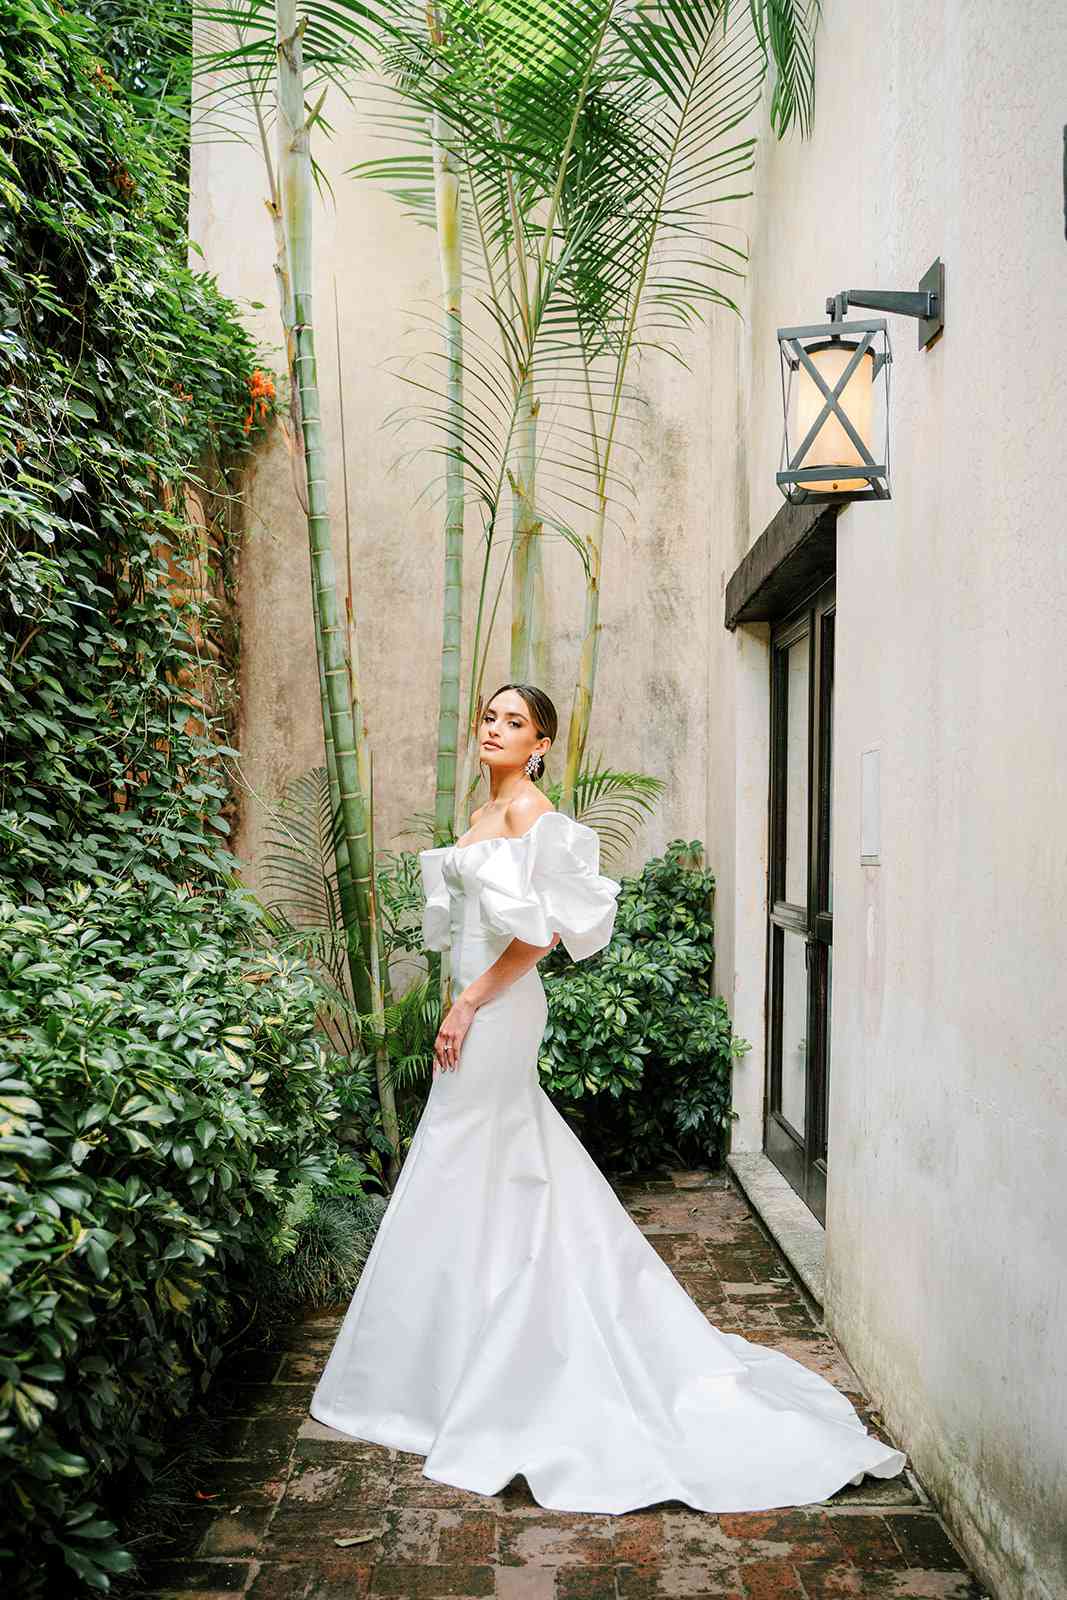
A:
(523, 812)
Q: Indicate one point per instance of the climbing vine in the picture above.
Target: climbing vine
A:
(128, 394)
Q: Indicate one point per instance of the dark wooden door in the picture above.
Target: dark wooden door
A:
(800, 896)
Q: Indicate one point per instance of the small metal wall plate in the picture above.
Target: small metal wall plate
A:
(932, 282)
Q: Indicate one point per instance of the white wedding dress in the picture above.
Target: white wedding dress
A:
(511, 1316)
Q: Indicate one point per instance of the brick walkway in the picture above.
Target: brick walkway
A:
(293, 1488)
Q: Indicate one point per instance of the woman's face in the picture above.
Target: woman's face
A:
(508, 737)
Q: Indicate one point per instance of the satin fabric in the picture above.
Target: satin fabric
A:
(511, 1316)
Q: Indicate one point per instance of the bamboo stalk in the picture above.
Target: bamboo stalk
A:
(295, 190)
(386, 1097)
(365, 769)
(283, 281)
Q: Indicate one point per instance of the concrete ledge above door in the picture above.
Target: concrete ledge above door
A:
(793, 556)
(797, 1232)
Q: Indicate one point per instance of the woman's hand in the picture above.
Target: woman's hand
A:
(452, 1032)
(517, 959)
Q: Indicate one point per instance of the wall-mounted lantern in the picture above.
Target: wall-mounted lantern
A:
(834, 381)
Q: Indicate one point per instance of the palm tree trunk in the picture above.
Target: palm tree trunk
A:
(585, 683)
(295, 190)
(448, 199)
(527, 593)
(450, 247)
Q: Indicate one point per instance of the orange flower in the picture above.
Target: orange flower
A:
(101, 78)
(261, 390)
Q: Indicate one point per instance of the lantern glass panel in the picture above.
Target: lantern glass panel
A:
(832, 446)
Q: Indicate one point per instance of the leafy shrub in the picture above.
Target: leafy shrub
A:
(638, 1050)
(164, 1096)
(328, 1239)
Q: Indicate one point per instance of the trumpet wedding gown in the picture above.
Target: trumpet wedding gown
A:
(511, 1316)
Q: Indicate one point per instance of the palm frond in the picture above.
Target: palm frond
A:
(615, 803)
(407, 1031)
(234, 59)
(303, 830)
(299, 864)
(786, 31)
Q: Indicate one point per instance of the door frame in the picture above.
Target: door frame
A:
(801, 1156)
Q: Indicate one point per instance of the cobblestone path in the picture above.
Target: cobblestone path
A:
(292, 1489)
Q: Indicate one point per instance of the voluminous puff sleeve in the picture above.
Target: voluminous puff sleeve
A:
(549, 881)
(436, 918)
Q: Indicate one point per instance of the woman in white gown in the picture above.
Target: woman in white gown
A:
(511, 1316)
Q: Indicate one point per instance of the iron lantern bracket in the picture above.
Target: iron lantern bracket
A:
(927, 303)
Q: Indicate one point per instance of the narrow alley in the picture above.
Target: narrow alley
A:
(301, 1513)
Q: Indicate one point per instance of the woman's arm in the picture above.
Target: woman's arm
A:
(518, 958)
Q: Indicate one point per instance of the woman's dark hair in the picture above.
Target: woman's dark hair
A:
(542, 711)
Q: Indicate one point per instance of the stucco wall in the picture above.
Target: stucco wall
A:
(939, 133)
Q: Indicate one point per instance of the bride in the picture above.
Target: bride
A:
(511, 1316)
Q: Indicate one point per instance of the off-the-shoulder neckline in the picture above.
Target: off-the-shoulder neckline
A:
(494, 838)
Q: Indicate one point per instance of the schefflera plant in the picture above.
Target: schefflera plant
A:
(163, 1094)
(638, 1052)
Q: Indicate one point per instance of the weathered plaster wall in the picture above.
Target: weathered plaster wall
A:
(650, 712)
(940, 133)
